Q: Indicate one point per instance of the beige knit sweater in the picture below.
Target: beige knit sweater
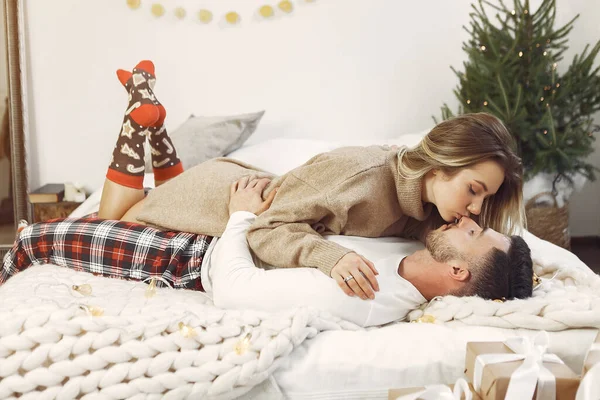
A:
(349, 191)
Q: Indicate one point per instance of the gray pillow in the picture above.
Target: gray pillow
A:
(201, 138)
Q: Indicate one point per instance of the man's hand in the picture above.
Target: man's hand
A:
(246, 195)
(356, 275)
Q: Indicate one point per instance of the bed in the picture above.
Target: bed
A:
(58, 342)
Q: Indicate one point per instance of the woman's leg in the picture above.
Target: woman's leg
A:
(144, 118)
(110, 248)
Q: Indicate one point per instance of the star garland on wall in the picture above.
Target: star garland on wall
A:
(206, 16)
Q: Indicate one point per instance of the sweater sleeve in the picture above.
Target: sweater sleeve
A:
(283, 236)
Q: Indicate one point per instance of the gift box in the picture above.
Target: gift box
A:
(393, 394)
(593, 356)
(589, 389)
(491, 366)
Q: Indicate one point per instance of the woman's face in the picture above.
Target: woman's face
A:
(463, 194)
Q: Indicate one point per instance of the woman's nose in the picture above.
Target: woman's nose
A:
(474, 208)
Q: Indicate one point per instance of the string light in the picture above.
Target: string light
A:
(425, 319)
(186, 330)
(85, 289)
(151, 289)
(520, 54)
(232, 17)
(243, 344)
(133, 4)
(468, 101)
(541, 99)
(286, 6)
(157, 10)
(558, 85)
(513, 12)
(485, 103)
(545, 53)
(545, 131)
(205, 16)
(92, 311)
(526, 11)
(537, 45)
(180, 12)
(266, 11)
(482, 48)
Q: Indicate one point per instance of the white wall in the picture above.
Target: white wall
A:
(333, 69)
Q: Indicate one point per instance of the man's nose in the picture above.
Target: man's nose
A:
(466, 222)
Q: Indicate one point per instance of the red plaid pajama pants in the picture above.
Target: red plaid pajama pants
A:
(110, 248)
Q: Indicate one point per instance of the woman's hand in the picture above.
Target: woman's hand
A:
(246, 195)
(356, 275)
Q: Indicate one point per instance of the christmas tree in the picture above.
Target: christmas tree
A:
(512, 72)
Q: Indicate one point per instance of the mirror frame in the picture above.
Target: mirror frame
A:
(14, 32)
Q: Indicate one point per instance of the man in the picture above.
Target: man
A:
(460, 259)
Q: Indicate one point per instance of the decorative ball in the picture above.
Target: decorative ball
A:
(286, 6)
(133, 4)
(205, 16)
(232, 17)
(266, 11)
(157, 10)
(180, 12)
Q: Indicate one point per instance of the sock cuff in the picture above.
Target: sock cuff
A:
(162, 174)
(131, 181)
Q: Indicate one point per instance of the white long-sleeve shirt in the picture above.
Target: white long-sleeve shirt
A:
(231, 276)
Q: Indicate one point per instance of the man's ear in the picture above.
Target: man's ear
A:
(457, 270)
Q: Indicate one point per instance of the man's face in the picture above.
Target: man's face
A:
(464, 240)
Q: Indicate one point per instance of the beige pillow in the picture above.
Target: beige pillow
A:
(201, 138)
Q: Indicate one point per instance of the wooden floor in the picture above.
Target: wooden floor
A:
(588, 250)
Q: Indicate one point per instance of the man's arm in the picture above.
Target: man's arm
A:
(237, 283)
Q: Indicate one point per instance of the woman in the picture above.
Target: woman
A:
(463, 166)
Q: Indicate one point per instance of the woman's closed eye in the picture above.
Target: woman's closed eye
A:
(471, 190)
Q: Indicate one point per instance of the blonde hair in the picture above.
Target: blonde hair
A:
(466, 140)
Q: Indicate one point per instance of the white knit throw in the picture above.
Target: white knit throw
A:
(570, 300)
(50, 347)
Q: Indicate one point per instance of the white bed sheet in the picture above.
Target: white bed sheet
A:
(365, 364)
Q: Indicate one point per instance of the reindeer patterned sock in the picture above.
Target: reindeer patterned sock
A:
(127, 164)
(165, 163)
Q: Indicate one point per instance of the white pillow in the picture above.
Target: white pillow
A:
(279, 156)
(201, 138)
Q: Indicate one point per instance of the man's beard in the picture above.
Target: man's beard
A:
(439, 247)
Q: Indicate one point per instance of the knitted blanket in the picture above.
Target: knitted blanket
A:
(569, 297)
(121, 341)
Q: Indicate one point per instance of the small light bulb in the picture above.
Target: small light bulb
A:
(520, 54)
(485, 103)
(541, 99)
(186, 330)
(545, 53)
(85, 289)
(468, 101)
(513, 12)
(482, 48)
(243, 344)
